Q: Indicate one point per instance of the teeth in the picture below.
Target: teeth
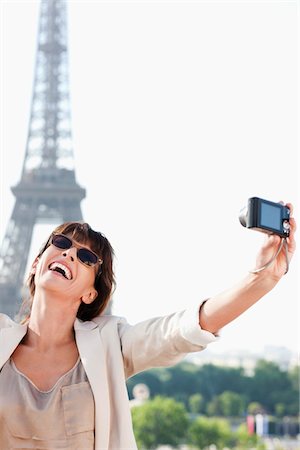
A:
(65, 269)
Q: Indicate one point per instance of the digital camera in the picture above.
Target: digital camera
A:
(266, 216)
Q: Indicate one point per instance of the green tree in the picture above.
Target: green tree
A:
(150, 378)
(207, 431)
(196, 403)
(255, 408)
(161, 421)
(213, 380)
(280, 409)
(244, 440)
(270, 385)
(292, 407)
(294, 377)
(213, 407)
(182, 382)
(231, 404)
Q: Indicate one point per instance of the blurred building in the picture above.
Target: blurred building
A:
(246, 359)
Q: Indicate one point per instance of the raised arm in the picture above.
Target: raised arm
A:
(223, 308)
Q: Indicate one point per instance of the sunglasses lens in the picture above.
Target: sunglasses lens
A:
(87, 257)
(61, 241)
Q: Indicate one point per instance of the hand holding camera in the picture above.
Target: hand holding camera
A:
(274, 219)
(266, 216)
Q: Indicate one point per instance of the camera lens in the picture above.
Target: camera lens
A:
(243, 216)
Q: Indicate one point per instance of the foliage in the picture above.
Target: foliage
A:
(271, 385)
(280, 409)
(225, 391)
(159, 421)
(207, 431)
(255, 408)
(196, 403)
(294, 377)
(150, 378)
(292, 408)
(244, 440)
(163, 421)
(227, 404)
(232, 404)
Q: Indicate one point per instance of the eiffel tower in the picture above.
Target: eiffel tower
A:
(48, 191)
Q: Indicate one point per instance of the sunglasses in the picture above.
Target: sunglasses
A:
(84, 255)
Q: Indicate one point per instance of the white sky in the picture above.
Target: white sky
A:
(181, 111)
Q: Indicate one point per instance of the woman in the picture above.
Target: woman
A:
(62, 382)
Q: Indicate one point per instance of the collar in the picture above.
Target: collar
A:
(84, 326)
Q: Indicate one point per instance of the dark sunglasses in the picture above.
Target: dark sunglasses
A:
(84, 255)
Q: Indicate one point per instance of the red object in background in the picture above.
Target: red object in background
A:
(251, 424)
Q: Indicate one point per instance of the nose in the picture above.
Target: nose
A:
(70, 252)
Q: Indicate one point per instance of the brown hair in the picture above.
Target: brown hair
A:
(104, 280)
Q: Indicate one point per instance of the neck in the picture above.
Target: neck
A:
(51, 323)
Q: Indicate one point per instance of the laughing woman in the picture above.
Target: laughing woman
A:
(63, 369)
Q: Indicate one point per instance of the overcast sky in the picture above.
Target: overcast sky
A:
(181, 111)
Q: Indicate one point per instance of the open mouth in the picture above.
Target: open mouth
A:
(62, 269)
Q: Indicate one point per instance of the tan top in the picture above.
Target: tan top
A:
(61, 418)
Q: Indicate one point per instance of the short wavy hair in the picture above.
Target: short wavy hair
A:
(104, 279)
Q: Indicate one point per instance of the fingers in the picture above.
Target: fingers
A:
(293, 227)
(291, 208)
(292, 221)
(291, 239)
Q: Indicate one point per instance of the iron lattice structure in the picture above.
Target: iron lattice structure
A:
(48, 191)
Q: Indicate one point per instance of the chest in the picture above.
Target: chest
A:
(44, 369)
(62, 417)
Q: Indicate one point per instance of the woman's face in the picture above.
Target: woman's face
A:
(61, 270)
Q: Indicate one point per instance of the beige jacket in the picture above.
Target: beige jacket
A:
(111, 350)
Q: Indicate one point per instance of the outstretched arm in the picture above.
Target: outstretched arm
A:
(223, 308)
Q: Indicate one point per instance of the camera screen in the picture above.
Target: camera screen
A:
(270, 216)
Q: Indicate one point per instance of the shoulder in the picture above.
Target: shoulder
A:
(108, 319)
(7, 322)
(100, 322)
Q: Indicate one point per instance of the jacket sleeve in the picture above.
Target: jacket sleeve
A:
(162, 341)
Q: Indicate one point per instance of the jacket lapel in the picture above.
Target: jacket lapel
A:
(9, 339)
(93, 359)
(92, 355)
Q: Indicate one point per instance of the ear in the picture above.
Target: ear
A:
(33, 267)
(89, 297)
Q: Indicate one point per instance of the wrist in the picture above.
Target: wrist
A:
(263, 279)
